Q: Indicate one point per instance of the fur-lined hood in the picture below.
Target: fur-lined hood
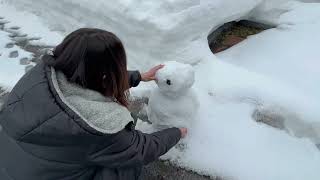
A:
(98, 111)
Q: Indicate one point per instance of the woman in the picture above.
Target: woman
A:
(67, 118)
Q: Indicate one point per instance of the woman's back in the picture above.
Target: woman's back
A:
(41, 135)
(46, 139)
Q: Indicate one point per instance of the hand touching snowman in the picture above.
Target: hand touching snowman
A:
(173, 103)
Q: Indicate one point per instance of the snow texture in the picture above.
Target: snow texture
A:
(275, 71)
(29, 26)
(152, 31)
(289, 55)
(20, 28)
(173, 103)
(10, 58)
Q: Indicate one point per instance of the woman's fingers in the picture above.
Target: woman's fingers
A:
(184, 132)
(150, 75)
(156, 68)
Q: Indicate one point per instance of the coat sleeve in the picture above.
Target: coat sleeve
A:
(132, 148)
(134, 78)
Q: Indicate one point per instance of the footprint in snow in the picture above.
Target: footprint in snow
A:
(9, 45)
(25, 61)
(15, 28)
(14, 54)
(3, 22)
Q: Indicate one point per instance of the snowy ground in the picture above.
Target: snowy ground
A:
(11, 57)
(17, 31)
(275, 71)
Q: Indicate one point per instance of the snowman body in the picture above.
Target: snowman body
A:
(173, 103)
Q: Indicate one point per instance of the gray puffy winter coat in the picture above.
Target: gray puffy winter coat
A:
(55, 130)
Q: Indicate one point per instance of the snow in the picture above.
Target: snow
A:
(18, 27)
(230, 145)
(173, 103)
(227, 141)
(30, 25)
(175, 78)
(276, 70)
(10, 68)
(152, 31)
(289, 55)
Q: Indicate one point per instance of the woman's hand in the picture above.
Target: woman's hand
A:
(184, 132)
(150, 75)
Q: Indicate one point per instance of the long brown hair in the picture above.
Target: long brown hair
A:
(94, 59)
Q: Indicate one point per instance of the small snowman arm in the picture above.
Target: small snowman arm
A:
(134, 78)
(133, 148)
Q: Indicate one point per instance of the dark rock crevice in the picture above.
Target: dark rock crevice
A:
(232, 33)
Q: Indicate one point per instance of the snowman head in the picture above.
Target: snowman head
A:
(175, 78)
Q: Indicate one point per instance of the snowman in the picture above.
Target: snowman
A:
(173, 103)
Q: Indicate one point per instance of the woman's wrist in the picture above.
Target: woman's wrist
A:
(143, 77)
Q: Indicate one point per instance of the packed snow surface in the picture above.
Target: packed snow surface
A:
(275, 70)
